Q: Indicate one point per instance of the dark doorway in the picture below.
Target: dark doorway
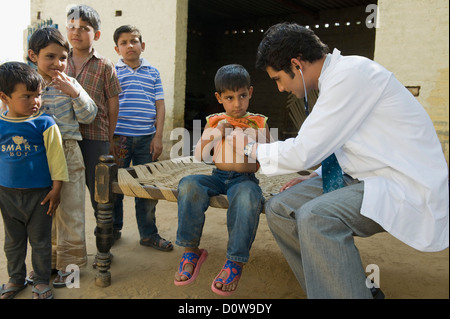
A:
(229, 31)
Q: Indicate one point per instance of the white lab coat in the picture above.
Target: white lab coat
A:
(380, 134)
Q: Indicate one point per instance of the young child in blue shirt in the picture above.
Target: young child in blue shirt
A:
(33, 170)
(139, 130)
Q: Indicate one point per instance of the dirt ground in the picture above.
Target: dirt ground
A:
(140, 272)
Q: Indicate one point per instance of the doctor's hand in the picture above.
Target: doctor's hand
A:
(297, 180)
(237, 140)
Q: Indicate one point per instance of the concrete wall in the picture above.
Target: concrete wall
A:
(412, 41)
(163, 24)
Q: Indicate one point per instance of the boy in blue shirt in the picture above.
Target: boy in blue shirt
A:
(33, 170)
(139, 130)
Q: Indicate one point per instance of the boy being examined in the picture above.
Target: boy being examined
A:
(233, 176)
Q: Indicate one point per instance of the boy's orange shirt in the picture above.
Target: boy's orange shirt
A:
(225, 158)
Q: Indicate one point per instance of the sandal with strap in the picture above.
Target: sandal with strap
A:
(158, 243)
(40, 293)
(234, 272)
(61, 278)
(11, 292)
(30, 278)
(196, 261)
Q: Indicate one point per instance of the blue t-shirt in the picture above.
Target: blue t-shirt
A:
(31, 153)
(141, 88)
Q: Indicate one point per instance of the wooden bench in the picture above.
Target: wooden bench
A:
(159, 181)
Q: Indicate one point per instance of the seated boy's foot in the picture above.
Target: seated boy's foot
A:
(190, 265)
(42, 291)
(226, 282)
(157, 242)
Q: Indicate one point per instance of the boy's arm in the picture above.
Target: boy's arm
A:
(113, 114)
(84, 106)
(57, 165)
(55, 154)
(54, 197)
(112, 90)
(156, 146)
(209, 139)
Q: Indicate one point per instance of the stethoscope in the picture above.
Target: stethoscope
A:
(305, 99)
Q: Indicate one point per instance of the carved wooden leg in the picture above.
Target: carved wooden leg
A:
(105, 175)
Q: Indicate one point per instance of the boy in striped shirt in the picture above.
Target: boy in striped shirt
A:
(69, 104)
(139, 130)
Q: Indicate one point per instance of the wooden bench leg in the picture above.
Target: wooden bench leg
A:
(105, 175)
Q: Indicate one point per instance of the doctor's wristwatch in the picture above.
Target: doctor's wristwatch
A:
(249, 148)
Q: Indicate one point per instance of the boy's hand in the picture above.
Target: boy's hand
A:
(238, 138)
(156, 148)
(225, 128)
(62, 82)
(54, 198)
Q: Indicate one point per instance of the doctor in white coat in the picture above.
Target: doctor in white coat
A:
(395, 173)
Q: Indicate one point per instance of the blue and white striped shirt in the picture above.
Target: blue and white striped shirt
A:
(141, 88)
(68, 112)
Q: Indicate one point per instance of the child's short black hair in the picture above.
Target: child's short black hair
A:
(126, 29)
(231, 77)
(85, 13)
(43, 37)
(13, 73)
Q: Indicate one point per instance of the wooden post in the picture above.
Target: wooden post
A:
(105, 175)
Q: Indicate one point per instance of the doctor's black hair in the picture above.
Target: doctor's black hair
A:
(284, 41)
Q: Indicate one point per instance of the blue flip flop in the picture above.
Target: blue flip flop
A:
(196, 261)
(13, 290)
(234, 272)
